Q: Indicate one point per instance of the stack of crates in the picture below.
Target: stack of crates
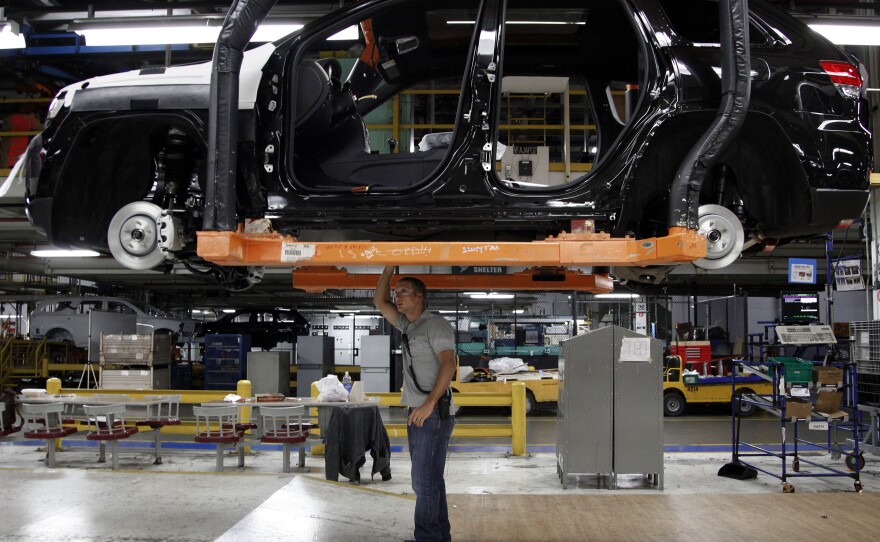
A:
(130, 349)
(139, 362)
(865, 352)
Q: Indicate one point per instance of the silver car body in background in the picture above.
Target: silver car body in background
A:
(67, 318)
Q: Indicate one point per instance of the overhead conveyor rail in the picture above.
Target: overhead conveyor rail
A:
(319, 279)
(579, 249)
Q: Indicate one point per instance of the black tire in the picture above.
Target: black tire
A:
(852, 461)
(745, 409)
(531, 403)
(673, 404)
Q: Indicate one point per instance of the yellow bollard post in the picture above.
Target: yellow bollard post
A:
(315, 449)
(53, 386)
(518, 418)
(244, 389)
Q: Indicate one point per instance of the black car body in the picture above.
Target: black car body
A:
(640, 84)
(267, 326)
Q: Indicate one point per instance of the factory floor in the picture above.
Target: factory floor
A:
(491, 496)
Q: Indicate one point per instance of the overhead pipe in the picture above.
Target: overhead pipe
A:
(684, 199)
(242, 20)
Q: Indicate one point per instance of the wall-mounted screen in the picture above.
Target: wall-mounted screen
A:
(799, 307)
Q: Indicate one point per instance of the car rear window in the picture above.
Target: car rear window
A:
(697, 21)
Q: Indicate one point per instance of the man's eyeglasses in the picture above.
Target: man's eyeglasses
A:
(403, 291)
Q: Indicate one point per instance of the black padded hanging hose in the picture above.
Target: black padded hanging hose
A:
(684, 199)
(242, 20)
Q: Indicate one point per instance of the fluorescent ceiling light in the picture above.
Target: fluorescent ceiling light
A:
(103, 32)
(847, 31)
(453, 312)
(59, 253)
(273, 31)
(350, 33)
(616, 296)
(179, 30)
(525, 22)
(344, 311)
(490, 295)
(229, 311)
(848, 35)
(10, 36)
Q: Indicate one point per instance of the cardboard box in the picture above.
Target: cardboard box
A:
(798, 408)
(828, 402)
(828, 376)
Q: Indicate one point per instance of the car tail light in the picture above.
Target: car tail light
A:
(844, 75)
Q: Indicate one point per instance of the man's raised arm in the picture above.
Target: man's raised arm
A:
(382, 297)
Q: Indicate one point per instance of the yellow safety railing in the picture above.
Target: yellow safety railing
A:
(22, 358)
(515, 430)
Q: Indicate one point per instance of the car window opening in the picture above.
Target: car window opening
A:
(362, 114)
(571, 81)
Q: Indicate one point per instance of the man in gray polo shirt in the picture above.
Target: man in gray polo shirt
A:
(428, 344)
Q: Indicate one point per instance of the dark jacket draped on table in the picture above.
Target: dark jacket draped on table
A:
(350, 432)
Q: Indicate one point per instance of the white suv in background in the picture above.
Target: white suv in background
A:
(66, 318)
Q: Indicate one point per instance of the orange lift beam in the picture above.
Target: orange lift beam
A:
(275, 250)
(319, 279)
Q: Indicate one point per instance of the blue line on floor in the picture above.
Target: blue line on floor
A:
(544, 448)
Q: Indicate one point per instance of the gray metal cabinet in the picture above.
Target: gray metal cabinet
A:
(375, 354)
(269, 372)
(314, 361)
(610, 413)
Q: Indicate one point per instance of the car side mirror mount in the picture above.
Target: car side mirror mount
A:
(406, 44)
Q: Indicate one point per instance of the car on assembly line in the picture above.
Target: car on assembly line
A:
(267, 326)
(67, 318)
(469, 120)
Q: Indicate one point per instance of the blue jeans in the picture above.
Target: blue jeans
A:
(427, 450)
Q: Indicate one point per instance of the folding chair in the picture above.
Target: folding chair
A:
(159, 415)
(284, 425)
(107, 423)
(44, 422)
(219, 425)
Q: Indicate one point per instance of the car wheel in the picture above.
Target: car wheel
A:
(724, 236)
(673, 404)
(745, 409)
(133, 236)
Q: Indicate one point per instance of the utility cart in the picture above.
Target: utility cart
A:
(824, 396)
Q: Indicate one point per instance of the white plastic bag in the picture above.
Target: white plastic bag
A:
(507, 365)
(330, 389)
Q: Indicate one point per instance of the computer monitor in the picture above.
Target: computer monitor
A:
(799, 307)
